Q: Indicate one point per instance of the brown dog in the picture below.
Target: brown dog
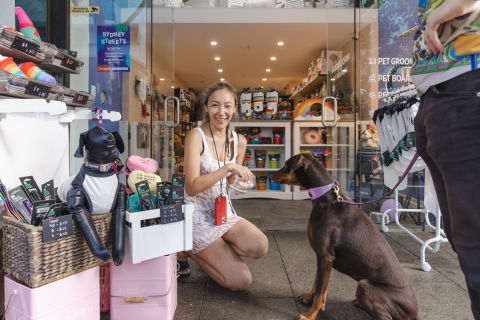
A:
(343, 237)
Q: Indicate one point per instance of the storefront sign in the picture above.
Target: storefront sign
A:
(85, 9)
(113, 48)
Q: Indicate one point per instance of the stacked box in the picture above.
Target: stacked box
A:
(146, 290)
(72, 298)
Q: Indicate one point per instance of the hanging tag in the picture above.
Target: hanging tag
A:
(220, 210)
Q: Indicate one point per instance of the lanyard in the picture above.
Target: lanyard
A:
(216, 153)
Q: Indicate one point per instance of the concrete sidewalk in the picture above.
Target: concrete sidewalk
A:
(288, 270)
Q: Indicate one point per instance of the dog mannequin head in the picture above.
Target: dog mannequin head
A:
(100, 145)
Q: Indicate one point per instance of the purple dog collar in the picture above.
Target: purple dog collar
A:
(317, 192)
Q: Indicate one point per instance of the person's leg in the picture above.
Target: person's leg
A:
(224, 265)
(453, 130)
(421, 141)
(247, 240)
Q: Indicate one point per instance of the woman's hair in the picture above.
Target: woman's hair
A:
(207, 93)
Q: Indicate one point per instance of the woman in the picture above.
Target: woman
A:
(213, 156)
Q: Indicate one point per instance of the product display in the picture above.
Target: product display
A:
(96, 190)
(274, 159)
(246, 102)
(260, 157)
(31, 70)
(26, 26)
(261, 182)
(272, 104)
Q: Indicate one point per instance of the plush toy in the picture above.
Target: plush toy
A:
(312, 136)
(26, 26)
(96, 190)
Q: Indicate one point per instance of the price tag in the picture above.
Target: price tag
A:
(69, 63)
(36, 89)
(57, 228)
(80, 98)
(169, 214)
(25, 46)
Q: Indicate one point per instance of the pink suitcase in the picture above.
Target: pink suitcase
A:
(72, 298)
(147, 290)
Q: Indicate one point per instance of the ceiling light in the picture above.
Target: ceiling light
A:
(264, 79)
(268, 70)
(273, 58)
(344, 70)
(333, 79)
(280, 43)
(162, 79)
(222, 79)
(217, 58)
(220, 70)
(173, 87)
(213, 43)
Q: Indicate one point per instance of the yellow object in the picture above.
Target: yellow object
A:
(138, 175)
(467, 44)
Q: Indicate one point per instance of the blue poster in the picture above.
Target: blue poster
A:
(113, 48)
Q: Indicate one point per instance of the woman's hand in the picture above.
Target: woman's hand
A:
(239, 170)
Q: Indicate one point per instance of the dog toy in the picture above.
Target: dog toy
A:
(26, 26)
(31, 70)
(312, 136)
(147, 165)
(95, 189)
(137, 176)
(7, 64)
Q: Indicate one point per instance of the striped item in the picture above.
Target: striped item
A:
(26, 26)
(7, 64)
(35, 73)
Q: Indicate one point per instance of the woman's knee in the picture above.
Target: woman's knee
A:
(239, 280)
(258, 248)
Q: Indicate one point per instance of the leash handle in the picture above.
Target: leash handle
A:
(410, 165)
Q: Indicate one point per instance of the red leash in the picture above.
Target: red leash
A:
(410, 165)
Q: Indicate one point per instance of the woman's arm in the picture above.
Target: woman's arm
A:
(242, 147)
(195, 183)
(448, 10)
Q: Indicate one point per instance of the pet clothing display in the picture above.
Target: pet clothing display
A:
(204, 230)
(26, 26)
(96, 189)
(272, 103)
(246, 102)
(258, 98)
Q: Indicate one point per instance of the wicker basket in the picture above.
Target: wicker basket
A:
(35, 263)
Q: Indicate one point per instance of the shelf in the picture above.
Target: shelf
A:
(309, 87)
(16, 45)
(326, 145)
(282, 195)
(265, 145)
(31, 106)
(340, 169)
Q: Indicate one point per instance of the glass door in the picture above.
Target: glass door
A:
(384, 61)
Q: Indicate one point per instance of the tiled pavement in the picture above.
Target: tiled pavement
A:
(289, 268)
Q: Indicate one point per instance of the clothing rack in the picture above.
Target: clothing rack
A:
(440, 236)
(405, 91)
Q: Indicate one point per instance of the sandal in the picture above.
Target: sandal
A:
(183, 269)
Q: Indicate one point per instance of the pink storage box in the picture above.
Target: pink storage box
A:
(146, 290)
(72, 298)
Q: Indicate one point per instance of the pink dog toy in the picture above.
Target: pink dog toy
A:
(147, 165)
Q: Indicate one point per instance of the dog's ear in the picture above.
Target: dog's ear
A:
(118, 141)
(81, 144)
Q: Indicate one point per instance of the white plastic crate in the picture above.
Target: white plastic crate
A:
(156, 240)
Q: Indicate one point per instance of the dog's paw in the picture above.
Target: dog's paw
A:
(305, 298)
(302, 317)
(356, 303)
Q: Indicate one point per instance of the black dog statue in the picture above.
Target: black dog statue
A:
(96, 190)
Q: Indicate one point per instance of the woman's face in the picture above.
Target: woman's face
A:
(221, 108)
